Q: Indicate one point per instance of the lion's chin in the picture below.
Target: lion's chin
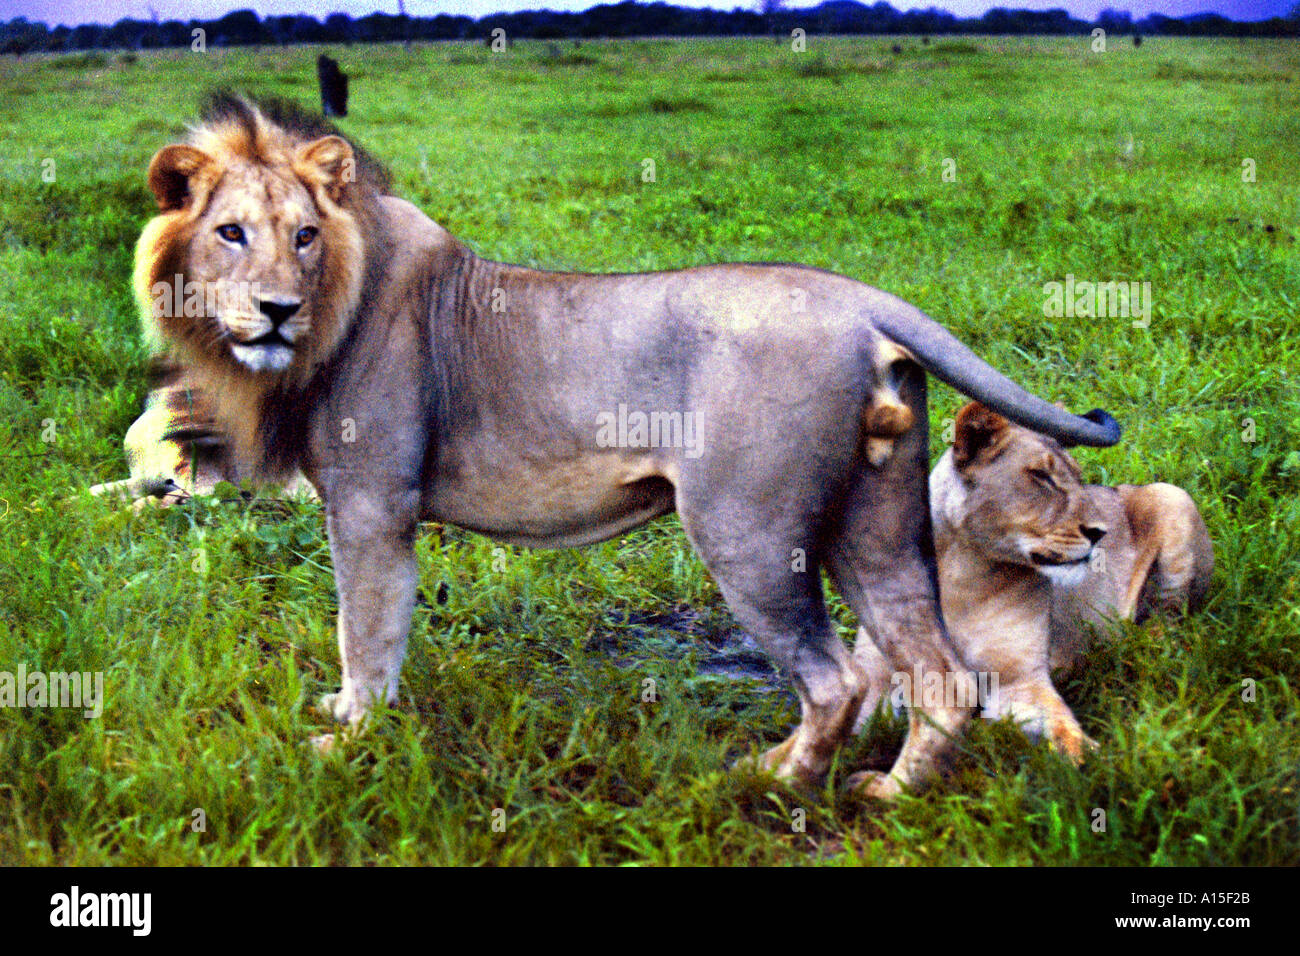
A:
(1068, 575)
(263, 358)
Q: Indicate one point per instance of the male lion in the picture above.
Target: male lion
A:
(409, 380)
(1030, 558)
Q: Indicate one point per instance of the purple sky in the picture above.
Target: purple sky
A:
(107, 11)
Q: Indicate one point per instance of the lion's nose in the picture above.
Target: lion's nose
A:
(278, 310)
(1093, 532)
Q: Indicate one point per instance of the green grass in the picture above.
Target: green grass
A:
(1125, 165)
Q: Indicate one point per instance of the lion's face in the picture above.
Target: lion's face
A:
(259, 245)
(269, 256)
(1021, 499)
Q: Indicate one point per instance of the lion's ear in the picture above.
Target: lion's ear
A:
(978, 429)
(330, 162)
(172, 172)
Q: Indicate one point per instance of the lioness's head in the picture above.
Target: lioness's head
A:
(1020, 499)
(254, 265)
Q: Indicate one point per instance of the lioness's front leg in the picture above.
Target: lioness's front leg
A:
(372, 543)
(1038, 709)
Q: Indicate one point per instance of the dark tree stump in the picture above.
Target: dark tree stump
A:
(333, 87)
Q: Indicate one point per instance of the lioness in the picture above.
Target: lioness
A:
(176, 448)
(1030, 558)
(409, 379)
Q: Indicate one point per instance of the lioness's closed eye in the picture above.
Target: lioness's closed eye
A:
(1029, 556)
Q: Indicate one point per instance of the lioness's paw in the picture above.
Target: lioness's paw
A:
(877, 785)
(1069, 740)
(322, 743)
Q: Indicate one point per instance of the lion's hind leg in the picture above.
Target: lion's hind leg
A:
(881, 557)
(829, 684)
(893, 593)
(879, 684)
(772, 584)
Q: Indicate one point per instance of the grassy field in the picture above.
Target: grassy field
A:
(214, 624)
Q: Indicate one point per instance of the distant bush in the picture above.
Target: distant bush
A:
(80, 61)
(554, 55)
(817, 66)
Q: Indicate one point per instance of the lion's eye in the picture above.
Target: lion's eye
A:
(1043, 477)
(304, 237)
(231, 233)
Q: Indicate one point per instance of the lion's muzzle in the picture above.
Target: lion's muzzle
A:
(264, 341)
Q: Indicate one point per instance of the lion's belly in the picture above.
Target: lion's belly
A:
(561, 505)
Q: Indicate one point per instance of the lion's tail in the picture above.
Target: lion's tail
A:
(947, 359)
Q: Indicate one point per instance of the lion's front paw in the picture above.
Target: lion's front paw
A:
(334, 706)
(350, 706)
(780, 762)
(877, 785)
(764, 763)
(341, 707)
(798, 764)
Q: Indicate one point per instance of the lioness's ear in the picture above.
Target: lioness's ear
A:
(330, 162)
(978, 429)
(171, 172)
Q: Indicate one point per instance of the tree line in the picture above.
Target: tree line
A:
(246, 28)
